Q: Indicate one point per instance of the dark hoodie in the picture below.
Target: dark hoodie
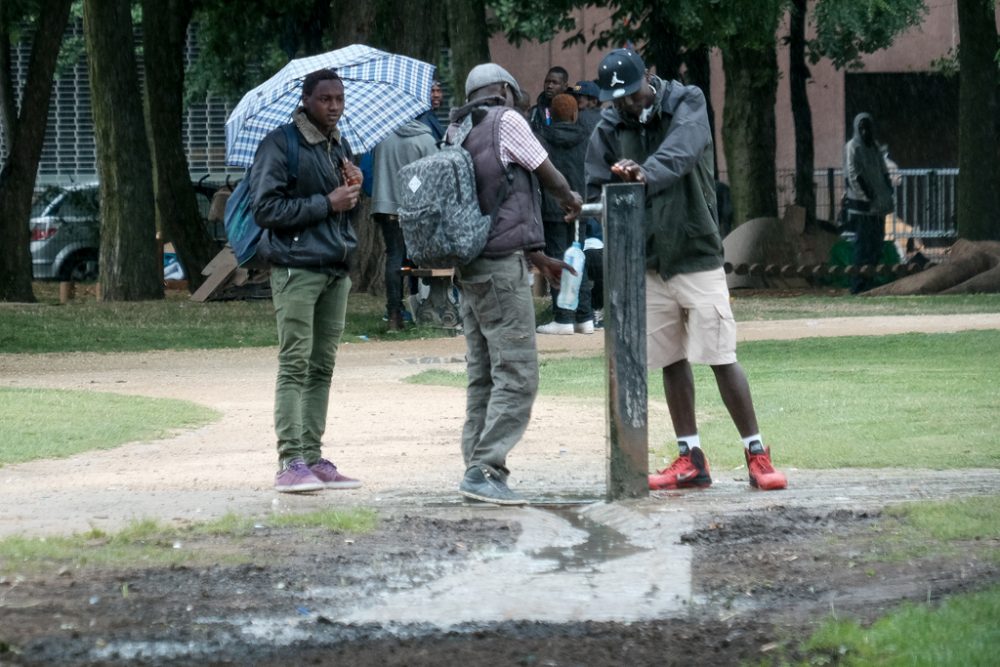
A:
(541, 114)
(566, 144)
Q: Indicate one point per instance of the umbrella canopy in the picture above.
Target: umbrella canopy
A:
(382, 91)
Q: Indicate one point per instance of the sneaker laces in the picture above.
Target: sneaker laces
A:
(681, 461)
(760, 463)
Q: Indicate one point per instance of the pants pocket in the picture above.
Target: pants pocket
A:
(481, 297)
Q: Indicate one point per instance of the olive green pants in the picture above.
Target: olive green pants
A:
(311, 308)
(498, 319)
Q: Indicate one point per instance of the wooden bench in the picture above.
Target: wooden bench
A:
(437, 309)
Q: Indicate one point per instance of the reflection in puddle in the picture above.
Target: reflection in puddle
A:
(603, 544)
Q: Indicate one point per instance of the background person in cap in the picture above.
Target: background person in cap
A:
(588, 102)
(565, 140)
(498, 311)
(556, 82)
(657, 133)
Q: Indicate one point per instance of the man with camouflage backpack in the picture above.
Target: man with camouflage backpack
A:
(498, 313)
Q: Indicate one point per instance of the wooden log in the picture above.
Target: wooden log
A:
(625, 342)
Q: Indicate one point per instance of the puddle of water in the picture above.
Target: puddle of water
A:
(603, 544)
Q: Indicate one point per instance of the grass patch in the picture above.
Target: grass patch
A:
(50, 423)
(174, 323)
(962, 630)
(886, 401)
(916, 530)
(177, 323)
(843, 305)
(146, 543)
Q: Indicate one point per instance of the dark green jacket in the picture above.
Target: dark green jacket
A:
(674, 147)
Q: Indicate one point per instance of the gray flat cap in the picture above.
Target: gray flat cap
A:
(488, 74)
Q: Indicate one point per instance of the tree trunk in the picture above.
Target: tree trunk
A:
(17, 179)
(798, 76)
(665, 52)
(131, 268)
(469, 39)
(164, 29)
(699, 73)
(354, 22)
(978, 159)
(8, 110)
(410, 28)
(748, 131)
(971, 267)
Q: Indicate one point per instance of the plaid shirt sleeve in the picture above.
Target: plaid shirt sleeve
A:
(518, 143)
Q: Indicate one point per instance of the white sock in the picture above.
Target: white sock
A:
(749, 439)
(691, 441)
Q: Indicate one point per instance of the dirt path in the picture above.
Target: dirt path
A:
(401, 439)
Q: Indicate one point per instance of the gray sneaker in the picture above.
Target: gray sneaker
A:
(488, 488)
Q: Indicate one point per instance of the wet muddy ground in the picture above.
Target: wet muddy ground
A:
(761, 582)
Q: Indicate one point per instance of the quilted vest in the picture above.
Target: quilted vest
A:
(517, 224)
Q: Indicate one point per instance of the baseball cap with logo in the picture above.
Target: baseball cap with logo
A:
(586, 88)
(620, 73)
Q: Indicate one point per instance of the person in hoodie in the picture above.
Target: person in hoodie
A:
(565, 140)
(657, 134)
(308, 240)
(406, 144)
(556, 83)
(869, 197)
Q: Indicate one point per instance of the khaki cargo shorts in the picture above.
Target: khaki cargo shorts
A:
(689, 317)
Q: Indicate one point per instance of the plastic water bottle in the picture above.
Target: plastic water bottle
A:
(569, 285)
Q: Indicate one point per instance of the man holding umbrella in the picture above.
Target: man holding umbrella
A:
(308, 240)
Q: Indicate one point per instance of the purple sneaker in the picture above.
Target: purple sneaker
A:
(328, 475)
(296, 477)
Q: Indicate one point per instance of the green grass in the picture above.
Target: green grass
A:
(48, 423)
(913, 400)
(176, 323)
(147, 543)
(914, 530)
(962, 631)
(747, 307)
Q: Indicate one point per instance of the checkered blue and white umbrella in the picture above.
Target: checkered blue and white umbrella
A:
(382, 91)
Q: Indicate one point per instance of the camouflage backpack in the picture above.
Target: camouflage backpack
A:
(439, 212)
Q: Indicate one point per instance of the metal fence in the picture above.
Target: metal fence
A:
(925, 203)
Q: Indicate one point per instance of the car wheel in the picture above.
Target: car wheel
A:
(82, 267)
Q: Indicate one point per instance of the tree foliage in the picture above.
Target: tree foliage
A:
(848, 29)
(243, 44)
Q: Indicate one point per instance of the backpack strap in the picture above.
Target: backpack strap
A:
(461, 132)
(292, 139)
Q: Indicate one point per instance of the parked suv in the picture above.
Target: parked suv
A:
(66, 230)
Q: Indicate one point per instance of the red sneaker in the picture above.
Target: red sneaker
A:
(762, 473)
(689, 469)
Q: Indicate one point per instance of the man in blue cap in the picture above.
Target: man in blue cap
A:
(657, 134)
(588, 102)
